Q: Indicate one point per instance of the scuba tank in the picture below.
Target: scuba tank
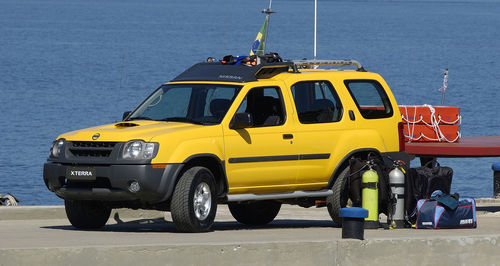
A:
(369, 197)
(397, 184)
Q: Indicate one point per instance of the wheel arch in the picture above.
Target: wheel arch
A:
(213, 163)
(363, 153)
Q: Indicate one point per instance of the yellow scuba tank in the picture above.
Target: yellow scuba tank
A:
(369, 197)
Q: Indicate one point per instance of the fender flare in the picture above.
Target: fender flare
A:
(345, 163)
(173, 173)
(220, 180)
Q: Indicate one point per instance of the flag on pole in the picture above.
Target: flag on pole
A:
(259, 44)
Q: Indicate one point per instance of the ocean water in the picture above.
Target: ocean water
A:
(71, 64)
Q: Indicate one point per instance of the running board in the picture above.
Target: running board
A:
(275, 196)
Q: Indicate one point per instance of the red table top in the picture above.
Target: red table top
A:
(488, 146)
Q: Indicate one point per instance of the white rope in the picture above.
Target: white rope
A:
(459, 135)
(435, 123)
(458, 121)
(413, 123)
(422, 136)
(406, 119)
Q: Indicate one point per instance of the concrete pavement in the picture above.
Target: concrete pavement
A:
(42, 235)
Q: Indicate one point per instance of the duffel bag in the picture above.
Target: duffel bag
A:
(433, 215)
(420, 182)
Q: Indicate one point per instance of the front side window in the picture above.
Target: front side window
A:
(370, 97)
(265, 104)
(205, 104)
(316, 102)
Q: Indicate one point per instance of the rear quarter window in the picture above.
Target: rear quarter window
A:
(370, 97)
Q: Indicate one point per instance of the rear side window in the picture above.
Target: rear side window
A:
(370, 97)
(316, 102)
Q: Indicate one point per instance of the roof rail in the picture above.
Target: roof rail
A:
(315, 62)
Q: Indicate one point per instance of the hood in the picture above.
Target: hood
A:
(128, 130)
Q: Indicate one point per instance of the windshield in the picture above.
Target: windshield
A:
(204, 104)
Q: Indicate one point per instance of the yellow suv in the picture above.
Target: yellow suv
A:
(252, 137)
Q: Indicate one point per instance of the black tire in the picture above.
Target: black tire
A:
(339, 198)
(255, 213)
(86, 214)
(190, 215)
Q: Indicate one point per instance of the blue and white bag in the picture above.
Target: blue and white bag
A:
(432, 214)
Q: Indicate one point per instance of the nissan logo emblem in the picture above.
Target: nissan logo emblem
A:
(96, 136)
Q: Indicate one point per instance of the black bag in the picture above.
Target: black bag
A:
(385, 196)
(228, 59)
(271, 58)
(433, 214)
(356, 166)
(420, 182)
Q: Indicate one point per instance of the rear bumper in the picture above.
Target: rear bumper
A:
(112, 182)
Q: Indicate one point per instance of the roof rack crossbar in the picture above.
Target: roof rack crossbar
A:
(315, 62)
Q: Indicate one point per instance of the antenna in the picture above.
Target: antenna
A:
(315, 23)
(121, 79)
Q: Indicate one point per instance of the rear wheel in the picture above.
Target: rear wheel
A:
(339, 198)
(255, 213)
(86, 214)
(194, 202)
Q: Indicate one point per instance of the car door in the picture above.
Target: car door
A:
(319, 130)
(261, 158)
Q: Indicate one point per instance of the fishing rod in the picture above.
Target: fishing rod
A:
(445, 86)
(268, 13)
(315, 25)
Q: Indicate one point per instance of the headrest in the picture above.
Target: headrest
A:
(218, 107)
(323, 104)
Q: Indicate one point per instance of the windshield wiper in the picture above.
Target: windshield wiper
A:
(182, 119)
(139, 118)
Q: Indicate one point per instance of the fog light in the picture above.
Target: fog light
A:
(134, 187)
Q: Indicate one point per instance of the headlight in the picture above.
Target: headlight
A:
(57, 147)
(138, 150)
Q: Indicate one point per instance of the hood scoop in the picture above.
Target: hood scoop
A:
(126, 124)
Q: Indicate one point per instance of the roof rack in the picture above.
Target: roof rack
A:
(232, 73)
(315, 62)
(217, 71)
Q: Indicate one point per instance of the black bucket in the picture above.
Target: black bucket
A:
(353, 222)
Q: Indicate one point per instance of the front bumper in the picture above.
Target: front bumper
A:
(112, 182)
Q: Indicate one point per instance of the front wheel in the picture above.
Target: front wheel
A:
(86, 214)
(339, 198)
(255, 213)
(194, 202)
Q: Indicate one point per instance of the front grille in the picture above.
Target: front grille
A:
(100, 182)
(91, 149)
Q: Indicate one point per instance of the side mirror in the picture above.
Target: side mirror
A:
(241, 120)
(125, 114)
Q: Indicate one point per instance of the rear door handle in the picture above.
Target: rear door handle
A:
(351, 115)
(287, 136)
